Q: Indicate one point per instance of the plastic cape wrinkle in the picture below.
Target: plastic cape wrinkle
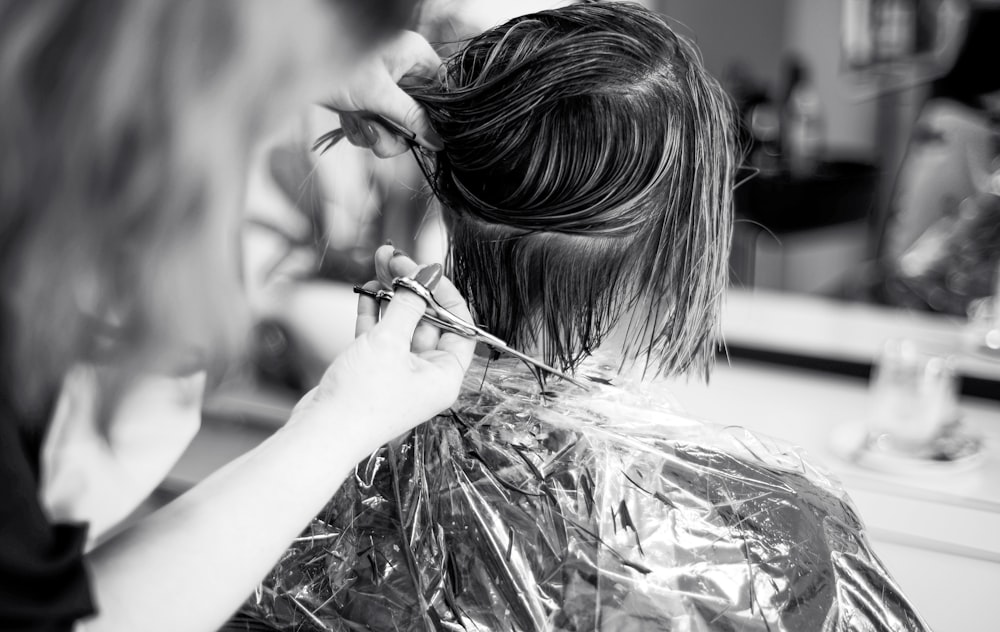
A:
(603, 510)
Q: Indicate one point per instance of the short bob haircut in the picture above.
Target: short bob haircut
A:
(587, 180)
(125, 130)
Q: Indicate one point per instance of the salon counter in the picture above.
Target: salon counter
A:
(846, 337)
(938, 532)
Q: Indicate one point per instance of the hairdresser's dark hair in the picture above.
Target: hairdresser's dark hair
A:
(587, 174)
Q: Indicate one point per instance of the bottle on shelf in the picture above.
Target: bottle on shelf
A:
(802, 121)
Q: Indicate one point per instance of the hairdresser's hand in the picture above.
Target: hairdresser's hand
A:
(372, 87)
(399, 372)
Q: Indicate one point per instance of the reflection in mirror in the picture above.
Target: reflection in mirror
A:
(873, 125)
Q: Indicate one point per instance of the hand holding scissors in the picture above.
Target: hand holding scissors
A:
(422, 284)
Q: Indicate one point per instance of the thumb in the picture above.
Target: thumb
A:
(407, 308)
(399, 107)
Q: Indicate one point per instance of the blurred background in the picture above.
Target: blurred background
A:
(870, 124)
(862, 320)
(871, 170)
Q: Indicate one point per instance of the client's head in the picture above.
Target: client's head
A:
(586, 183)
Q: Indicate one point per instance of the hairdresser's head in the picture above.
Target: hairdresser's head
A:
(125, 127)
(587, 179)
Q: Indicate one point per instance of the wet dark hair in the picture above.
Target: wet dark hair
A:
(587, 175)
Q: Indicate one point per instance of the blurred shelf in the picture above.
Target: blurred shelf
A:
(846, 337)
(837, 192)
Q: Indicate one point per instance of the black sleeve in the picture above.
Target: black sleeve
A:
(43, 582)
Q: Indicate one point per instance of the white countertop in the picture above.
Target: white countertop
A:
(825, 328)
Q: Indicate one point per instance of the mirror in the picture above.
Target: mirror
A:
(872, 129)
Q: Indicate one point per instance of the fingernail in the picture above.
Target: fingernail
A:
(433, 141)
(388, 242)
(370, 133)
(399, 253)
(429, 276)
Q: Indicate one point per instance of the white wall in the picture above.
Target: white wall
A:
(748, 31)
(758, 33)
(813, 31)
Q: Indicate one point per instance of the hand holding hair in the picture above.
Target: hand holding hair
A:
(372, 87)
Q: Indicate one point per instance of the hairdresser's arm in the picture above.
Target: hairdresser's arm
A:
(191, 564)
(372, 86)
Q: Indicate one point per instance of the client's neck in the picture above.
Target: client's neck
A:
(613, 345)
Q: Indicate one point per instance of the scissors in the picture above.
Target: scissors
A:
(331, 138)
(448, 321)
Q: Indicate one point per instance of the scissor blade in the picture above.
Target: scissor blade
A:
(479, 334)
(501, 346)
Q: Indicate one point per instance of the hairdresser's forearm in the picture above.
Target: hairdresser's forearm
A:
(190, 565)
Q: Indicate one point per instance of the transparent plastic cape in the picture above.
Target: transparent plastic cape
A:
(569, 510)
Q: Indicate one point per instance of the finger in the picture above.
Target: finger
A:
(402, 315)
(401, 264)
(389, 100)
(368, 310)
(383, 267)
(450, 362)
(459, 346)
(445, 292)
(425, 337)
(358, 132)
(394, 265)
(448, 296)
(386, 144)
(391, 263)
(411, 54)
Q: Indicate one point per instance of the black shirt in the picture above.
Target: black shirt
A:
(43, 582)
